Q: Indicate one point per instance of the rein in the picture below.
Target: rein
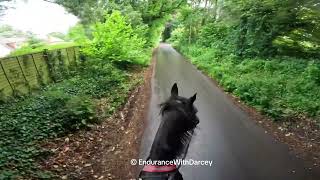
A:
(153, 168)
(168, 170)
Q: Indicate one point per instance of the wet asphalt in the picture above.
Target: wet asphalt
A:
(239, 149)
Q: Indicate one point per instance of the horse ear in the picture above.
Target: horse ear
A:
(193, 98)
(174, 90)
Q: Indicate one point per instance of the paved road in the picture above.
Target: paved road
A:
(239, 148)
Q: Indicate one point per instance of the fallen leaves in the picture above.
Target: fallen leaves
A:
(104, 150)
(100, 153)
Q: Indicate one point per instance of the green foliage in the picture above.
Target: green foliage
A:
(254, 28)
(27, 49)
(78, 34)
(215, 35)
(80, 111)
(120, 35)
(115, 40)
(58, 109)
(151, 15)
(34, 42)
(32, 45)
(154, 32)
(265, 52)
(176, 36)
(280, 87)
(93, 11)
(23, 123)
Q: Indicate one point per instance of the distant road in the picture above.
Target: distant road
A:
(239, 148)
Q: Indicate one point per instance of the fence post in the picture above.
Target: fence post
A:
(5, 74)
(25, 78)
(74, 52)
(75, 56)
(40, 80)
(68, 56)
(34, 63)
(60, 57)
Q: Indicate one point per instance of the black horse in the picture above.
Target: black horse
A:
(173, 137)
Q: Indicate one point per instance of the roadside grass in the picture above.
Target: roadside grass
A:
(56, 110)
(284, 88)
(29, 49)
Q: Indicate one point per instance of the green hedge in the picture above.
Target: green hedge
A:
(282, 87)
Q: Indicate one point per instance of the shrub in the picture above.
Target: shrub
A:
(116, 41)
(78, 112)
(312, 72)
(212, 34)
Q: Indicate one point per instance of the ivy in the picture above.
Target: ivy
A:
(60, 108)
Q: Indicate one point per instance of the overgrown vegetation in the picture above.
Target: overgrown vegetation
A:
(265, 52)
(282, 87)
(58, 109)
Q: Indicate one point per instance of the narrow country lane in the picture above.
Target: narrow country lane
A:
(240, 149)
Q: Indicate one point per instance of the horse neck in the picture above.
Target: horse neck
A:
(167, 144)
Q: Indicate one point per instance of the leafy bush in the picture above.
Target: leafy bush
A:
(80, 111)
(177, 36)
(212, 34)
(115, 40)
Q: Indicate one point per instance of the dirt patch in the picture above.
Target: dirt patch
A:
(104, 151)
(301, 134)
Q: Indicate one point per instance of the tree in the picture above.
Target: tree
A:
(151, 13)
(115, 40)
(253, 28)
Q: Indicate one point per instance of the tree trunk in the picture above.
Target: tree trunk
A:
(215, 10)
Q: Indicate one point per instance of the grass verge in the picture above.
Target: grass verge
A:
(283, 88)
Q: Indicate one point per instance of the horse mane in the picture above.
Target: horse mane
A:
(170, 105)
(185, 137)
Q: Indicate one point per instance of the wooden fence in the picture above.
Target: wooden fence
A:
(20, 75)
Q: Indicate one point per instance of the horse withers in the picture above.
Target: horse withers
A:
(178, 121)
